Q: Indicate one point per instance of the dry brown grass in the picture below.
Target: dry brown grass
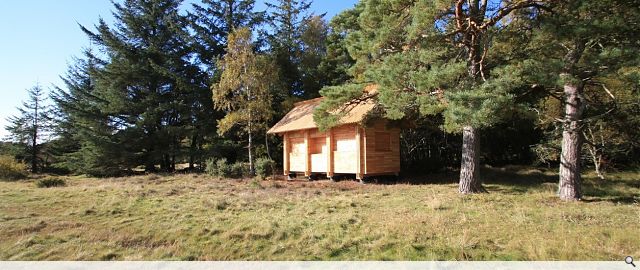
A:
(194, 217)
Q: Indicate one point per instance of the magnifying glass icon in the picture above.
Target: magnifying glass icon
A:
(629, 260)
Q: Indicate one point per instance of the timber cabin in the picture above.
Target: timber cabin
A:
(348, 148)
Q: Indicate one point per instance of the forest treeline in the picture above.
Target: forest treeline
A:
(547, 83)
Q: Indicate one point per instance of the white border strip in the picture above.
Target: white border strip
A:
(313, 265)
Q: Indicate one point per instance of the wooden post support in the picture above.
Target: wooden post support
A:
(363, 160)
(359, 174)
(329, 142)
(285, 159)
(307, 156)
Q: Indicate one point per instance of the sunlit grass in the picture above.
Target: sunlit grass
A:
(193, 217)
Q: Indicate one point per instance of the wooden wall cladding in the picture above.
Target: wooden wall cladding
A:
(378, 149)
(382, 158)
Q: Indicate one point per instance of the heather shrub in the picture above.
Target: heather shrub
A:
(51, 182)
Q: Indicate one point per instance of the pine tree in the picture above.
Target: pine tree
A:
(337, 62)
(583, 46)
(244, 89)
(436, 57)
(31, 126)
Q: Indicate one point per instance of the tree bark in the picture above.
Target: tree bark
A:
(470, 165)
(595, 149)
(250, 146)
(597, 163)
(570, 179)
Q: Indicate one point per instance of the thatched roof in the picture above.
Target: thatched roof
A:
(301, 116)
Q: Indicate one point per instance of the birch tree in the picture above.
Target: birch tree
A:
(244, 89)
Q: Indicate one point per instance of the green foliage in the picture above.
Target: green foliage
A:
(404, 47)
(222, 169)
(239, 170)
(213, 21)
(287, 19)
(327, 114)
(142, 102)
(264, 167)
(582, 44)
(51, 182)
(337, 62)
(11, 169)
(85, 142)
(217, 167)
(244, 89)
(30, 127)
(314, 50)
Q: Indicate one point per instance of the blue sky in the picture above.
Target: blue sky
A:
(39, 38)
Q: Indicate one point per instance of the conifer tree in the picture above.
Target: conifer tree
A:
(243, 92)
(436, 57)
(314, 50)
(155, 93)
(287, 19)
(30, 126)
(85, 142)
(213, 21)
(337, 62)
(584, 48)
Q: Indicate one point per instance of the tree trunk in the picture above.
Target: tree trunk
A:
(173, 162)
(595, 149)
(250, 146)
(149, 167)
(470, 165)
(34, 152)
(596, 158)
(597, 162)
(149, 160)
(164, 164)
(570, 179)
(192, 152)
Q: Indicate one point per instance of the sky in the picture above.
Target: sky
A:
(39, 38)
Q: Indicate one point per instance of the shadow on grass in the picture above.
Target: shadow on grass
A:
(619, 191)
(622, 189)
(502, 176)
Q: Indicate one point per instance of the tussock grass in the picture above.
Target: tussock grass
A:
(196, 217)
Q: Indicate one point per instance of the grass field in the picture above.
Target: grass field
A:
(195, 217)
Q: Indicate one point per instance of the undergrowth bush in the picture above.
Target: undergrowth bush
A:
(51, 182)
(11, 169)
(221, 168)
(239, 170)
(264, 167)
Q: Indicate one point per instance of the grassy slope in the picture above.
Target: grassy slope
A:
(195, 217)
